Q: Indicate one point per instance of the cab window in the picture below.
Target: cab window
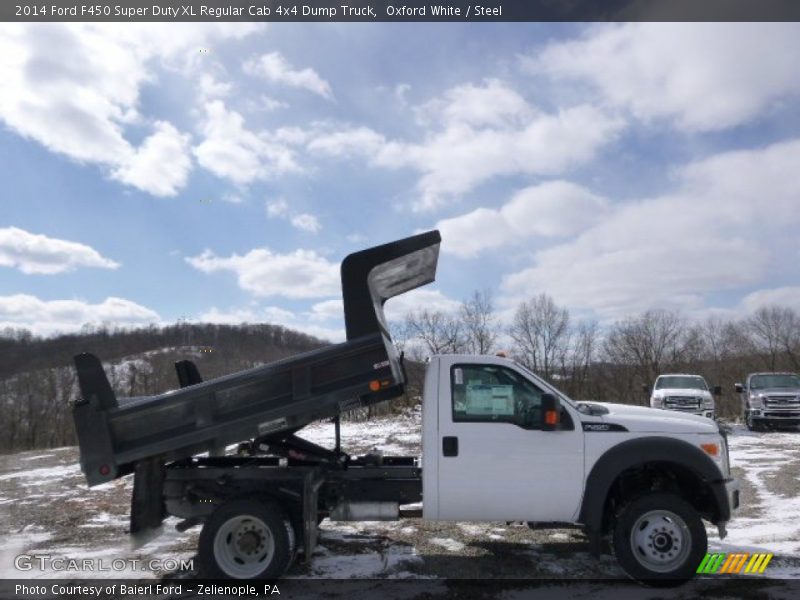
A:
(493, 393)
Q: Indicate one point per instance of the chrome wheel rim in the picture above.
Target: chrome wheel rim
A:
(660, 541)
(244, 547)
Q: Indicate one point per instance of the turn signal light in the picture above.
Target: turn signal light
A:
(711, 449)
(551, 417)
(374, 385)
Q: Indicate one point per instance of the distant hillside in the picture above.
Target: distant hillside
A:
(37, 379)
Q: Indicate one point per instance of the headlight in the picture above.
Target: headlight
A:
(756, 401)
(708, 403)
(657, 402)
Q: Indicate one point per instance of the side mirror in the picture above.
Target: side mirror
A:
(551, 412)
(717, 391)
(738, 387)
(645, 388)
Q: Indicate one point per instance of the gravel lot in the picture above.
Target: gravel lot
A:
(46, 509)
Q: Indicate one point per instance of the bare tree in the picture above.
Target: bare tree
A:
(540, 331)
(774, 335)
(477, 318)
(581, 356)
(438, 332)
(647, 344)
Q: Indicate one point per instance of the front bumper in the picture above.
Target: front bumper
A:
(726, 492)
(767, 414)
(703, 412)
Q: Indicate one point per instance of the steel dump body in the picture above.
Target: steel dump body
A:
(272, 400)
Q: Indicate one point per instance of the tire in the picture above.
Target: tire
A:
(246, 539)
(751, 423)
(659, 521)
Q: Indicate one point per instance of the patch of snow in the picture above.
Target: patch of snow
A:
(60, 472)
(448, 543)
(39, 457)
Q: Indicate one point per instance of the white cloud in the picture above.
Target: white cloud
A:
(277, 208)
(269, 104)
(398, 307)
(74, 88)
(211, 88)
(704, 76)
(724, 228)
(489, 131)
(306, 222)
(788, 296)
(232, 151)
(276, 316)
(356, 141)
(160, 165)
(38, 254)
(299, 274)
(61, 316)
(552, 209)
(326, 310)
(275, 68)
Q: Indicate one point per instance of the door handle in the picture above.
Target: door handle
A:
(450, 446)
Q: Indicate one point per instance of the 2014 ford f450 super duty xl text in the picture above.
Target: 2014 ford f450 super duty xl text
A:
(499, 444)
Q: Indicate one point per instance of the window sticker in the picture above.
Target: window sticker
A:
(459, 375)
(495, 400)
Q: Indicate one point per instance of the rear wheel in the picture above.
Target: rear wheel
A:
(660, 539)
(246, 539)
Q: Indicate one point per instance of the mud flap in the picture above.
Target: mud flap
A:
(147, 502)
(311, 484)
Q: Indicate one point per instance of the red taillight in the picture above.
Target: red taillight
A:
(105, 470)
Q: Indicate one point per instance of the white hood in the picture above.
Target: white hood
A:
(653, 420)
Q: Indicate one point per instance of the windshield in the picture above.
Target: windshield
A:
(681, 382)
(761, 382)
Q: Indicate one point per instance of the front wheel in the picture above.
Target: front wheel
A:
(246, 539)
(752, 424)
(659, 539)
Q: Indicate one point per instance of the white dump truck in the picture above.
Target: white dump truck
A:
(499, 444)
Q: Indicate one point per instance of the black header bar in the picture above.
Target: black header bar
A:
(276, 11)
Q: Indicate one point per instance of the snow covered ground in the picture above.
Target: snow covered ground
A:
(46, 509)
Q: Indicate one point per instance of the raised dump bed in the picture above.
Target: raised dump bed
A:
(273, 400)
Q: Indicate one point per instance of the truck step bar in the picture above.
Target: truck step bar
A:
(273, 400)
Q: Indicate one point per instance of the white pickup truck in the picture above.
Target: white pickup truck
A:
(685, 393)
(499, 444)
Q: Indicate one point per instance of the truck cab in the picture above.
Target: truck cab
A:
(500, 443)
(685, 393)
(770, 399)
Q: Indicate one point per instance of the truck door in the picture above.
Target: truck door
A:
(495, 463)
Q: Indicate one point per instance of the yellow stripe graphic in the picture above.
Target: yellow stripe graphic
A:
(752, 563)
(765, 563)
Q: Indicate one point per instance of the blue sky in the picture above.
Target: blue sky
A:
(220, 172)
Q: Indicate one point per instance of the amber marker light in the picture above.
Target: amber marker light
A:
(374, 385)
(711, 449)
